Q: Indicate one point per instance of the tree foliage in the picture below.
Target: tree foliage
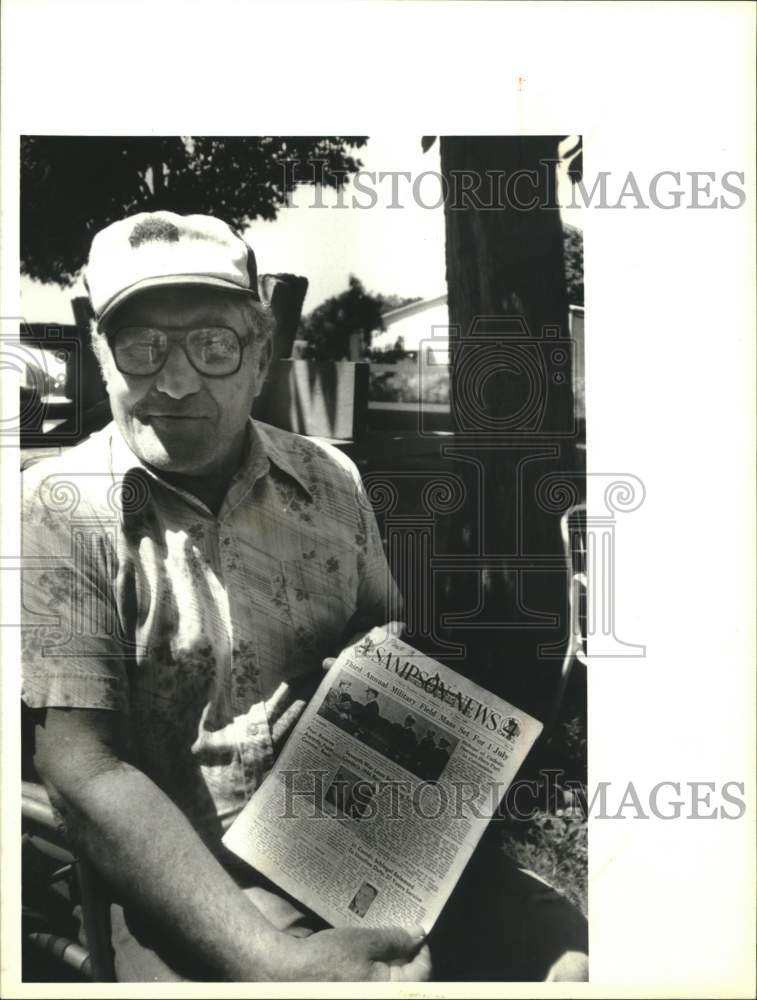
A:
(389, 355)
(328, 328)
(73, 186)
(573, 249)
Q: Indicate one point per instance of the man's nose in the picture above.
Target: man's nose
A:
(177, 378)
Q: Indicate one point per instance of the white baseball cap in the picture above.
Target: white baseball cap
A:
(163, 248)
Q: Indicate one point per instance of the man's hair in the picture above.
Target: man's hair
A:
(261, 322)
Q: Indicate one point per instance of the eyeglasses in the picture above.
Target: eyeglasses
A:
(213, 351)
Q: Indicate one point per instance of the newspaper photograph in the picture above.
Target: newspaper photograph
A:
(384, 788)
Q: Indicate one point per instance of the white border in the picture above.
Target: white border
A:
(670, 362)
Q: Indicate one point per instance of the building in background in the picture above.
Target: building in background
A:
(414, 323)
(426, 323)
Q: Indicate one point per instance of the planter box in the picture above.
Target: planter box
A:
(319, 398)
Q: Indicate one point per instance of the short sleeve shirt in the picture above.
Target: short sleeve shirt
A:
(207, 631)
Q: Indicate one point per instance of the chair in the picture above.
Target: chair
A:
(57, 885)
(573, 531)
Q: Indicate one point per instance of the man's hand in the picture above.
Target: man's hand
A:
(378, 633)
(360, 954)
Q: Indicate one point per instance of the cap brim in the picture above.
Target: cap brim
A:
(169, 280)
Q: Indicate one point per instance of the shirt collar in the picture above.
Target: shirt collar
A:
(260, 452)
(276, 454)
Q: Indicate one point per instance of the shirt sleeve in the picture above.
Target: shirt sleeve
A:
(74, 653)
(379, 599)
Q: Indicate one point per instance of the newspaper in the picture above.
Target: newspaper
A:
(384, 787)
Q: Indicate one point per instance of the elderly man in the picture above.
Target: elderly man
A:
(188, 572)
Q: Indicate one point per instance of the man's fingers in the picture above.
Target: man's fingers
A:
(389, 628)
(406, 954)
(393, 944)
(378, 633)
(417, 970)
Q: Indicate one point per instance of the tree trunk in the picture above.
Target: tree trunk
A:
(513, 418)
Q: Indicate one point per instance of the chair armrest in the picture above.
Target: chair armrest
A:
(37, 808)
(41, 825)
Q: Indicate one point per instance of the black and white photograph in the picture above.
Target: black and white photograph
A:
(363, 898)
(351, 794)
(477, 376)
(387, 726)
(247, 471)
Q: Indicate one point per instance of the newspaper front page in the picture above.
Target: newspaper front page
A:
(384, 787)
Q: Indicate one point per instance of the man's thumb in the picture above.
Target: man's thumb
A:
(397, 943)
(417, 970)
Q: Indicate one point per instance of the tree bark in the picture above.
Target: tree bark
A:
(512, 411)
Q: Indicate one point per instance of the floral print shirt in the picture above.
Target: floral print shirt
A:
(207, 631)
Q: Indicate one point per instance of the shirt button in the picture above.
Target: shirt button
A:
(252, 729)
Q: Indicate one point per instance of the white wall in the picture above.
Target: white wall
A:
(415, 327)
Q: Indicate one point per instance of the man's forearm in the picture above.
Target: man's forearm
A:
(151, 855)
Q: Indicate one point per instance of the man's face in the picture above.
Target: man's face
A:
(179, 420)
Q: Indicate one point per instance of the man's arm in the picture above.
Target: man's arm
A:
(150, 854)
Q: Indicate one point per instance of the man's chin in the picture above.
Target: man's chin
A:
(170, 453)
